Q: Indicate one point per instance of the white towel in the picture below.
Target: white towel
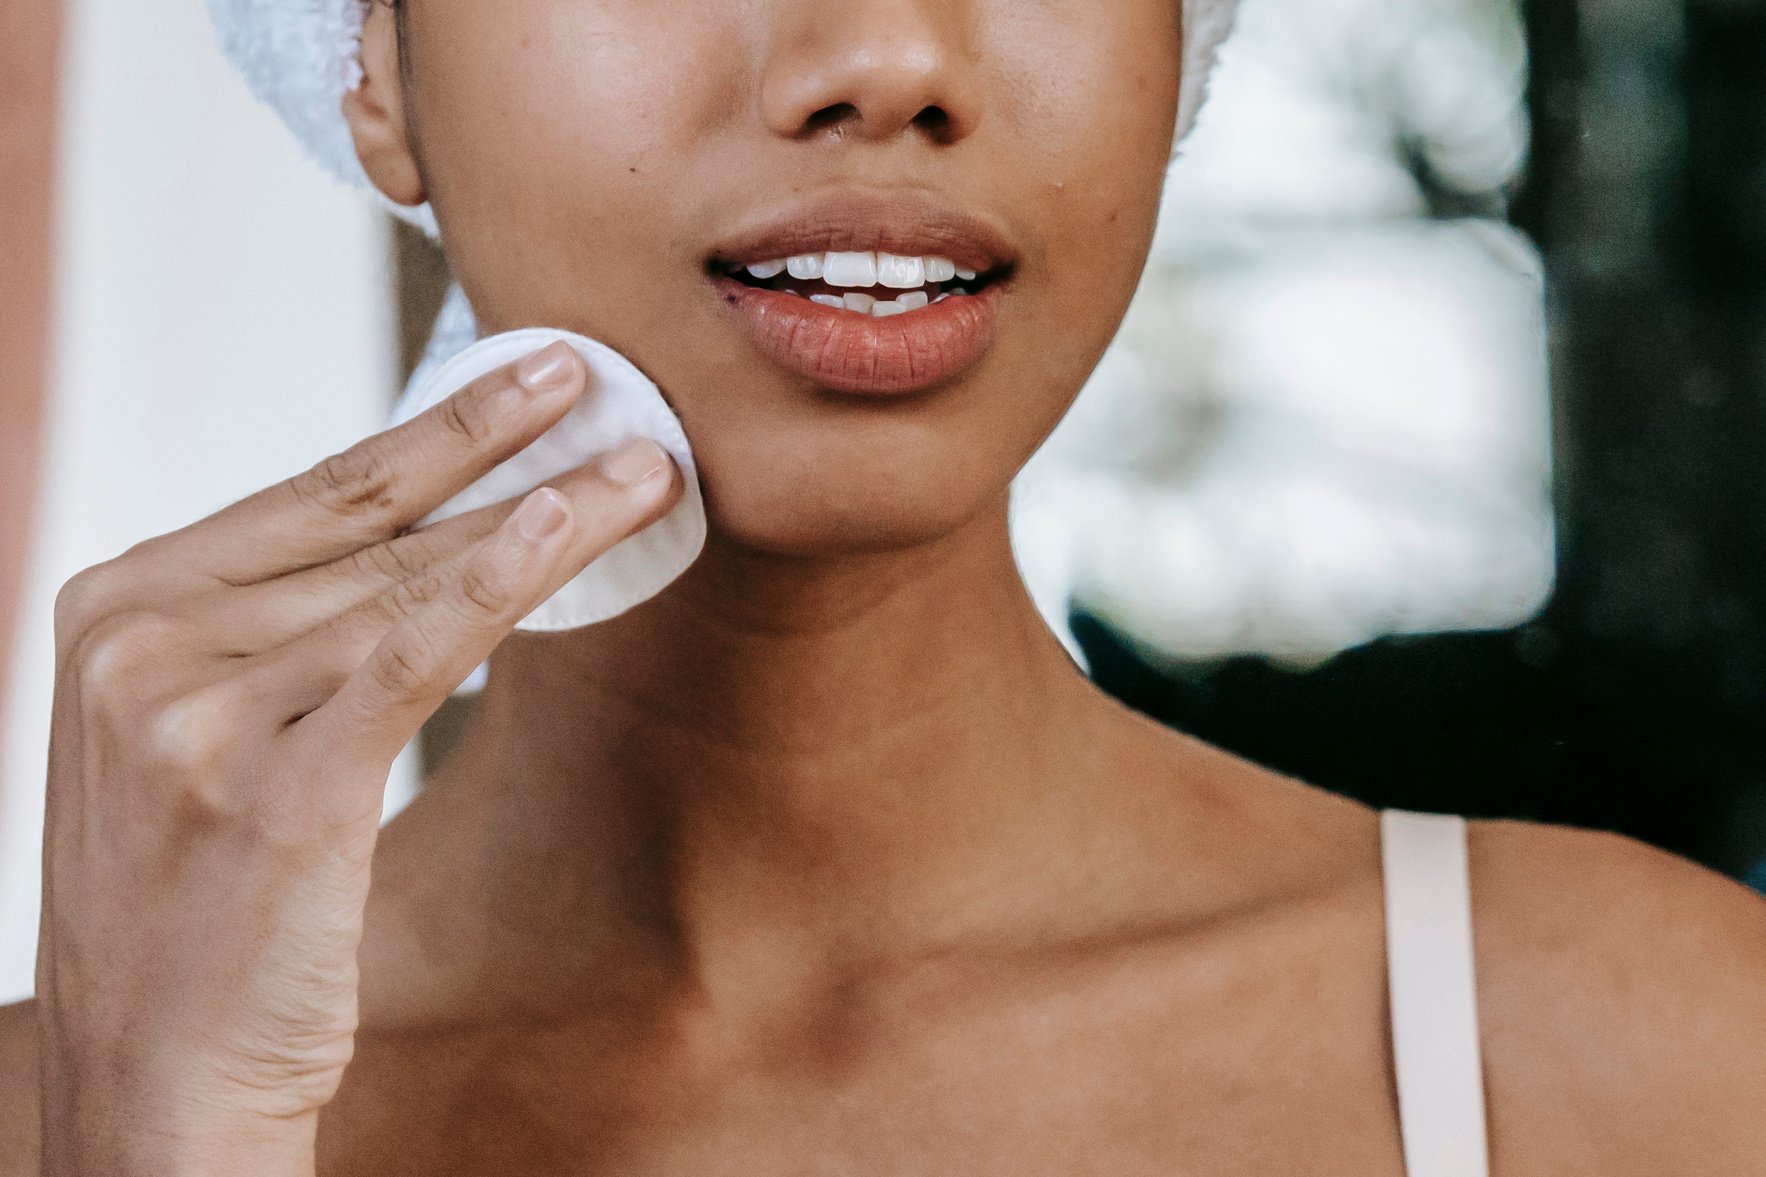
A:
(301, 57)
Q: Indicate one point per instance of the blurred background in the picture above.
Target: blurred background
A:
(1424, 467)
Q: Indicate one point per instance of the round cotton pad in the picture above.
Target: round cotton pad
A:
(619, 403)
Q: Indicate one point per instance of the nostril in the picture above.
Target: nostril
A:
(830, 117)
(935, 122)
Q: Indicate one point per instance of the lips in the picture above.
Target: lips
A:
(868, 294)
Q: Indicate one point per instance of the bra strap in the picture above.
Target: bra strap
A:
(1432, 984)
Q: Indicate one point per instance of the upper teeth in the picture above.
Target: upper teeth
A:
(862, 270)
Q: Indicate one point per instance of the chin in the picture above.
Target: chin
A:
(789, 471)
(826, 508)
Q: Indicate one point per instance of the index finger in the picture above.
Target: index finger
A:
(411, 667)
(385, 483)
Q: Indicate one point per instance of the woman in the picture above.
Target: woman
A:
(827, 860)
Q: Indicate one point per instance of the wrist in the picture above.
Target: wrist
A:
(161, 1109)
(129, 1145)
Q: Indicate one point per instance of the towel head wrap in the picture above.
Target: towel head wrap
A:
(301, 56)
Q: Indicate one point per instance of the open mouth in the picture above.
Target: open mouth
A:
(871, 283)
(868, 292)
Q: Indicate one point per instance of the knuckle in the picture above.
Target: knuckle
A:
(484, 591)
(400, 560)
(120, 658)
(415, 592)
(192, 737)
(354, 482)
(154, 547)
(83, 599)
(400, 671)
(469, 418)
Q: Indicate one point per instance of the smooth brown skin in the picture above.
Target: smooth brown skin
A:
(30, 38)
(828, 860)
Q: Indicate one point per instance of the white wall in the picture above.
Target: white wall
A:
(224, 320)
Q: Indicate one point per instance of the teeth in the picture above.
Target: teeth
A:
(850, 269)
(860, 270)
(864, 304)
(900, 273)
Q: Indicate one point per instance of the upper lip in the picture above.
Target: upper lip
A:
(910, 224)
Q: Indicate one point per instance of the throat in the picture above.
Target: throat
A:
(774, 775)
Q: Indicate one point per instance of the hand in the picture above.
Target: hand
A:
(229, 699)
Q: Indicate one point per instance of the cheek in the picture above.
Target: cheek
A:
(581, 154)
(571, 146)
(553, 135)
(1092, 100)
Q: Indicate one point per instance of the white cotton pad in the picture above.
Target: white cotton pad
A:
(619, 403)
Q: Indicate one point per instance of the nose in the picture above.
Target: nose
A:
(872, 69)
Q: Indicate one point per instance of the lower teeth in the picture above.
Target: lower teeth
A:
(864, 304)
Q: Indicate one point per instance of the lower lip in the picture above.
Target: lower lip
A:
(848, 352)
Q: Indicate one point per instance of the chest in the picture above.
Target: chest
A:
(1250, 1074)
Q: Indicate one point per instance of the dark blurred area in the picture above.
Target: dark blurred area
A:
(1636, 701)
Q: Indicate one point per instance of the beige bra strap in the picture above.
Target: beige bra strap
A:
(1433, 990)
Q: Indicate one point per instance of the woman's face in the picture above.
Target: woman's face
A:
(602, 165)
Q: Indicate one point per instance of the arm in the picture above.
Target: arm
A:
(229, 699)
(1624, 995)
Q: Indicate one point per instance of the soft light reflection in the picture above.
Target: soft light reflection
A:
(1326, 418)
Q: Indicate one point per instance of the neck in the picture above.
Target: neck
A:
(782, 770)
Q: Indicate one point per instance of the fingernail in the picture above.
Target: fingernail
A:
(637, 461)
(548, 369)
(541, 514)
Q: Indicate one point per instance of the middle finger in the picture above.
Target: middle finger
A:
(602, 506)
(270, 613)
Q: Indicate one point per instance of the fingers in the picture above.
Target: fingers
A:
(378, 487)
(266, 614)
(405, 653)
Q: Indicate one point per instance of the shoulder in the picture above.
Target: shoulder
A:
(1623, 1002)
(18, 1090)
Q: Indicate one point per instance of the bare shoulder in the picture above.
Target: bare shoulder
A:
(18, 1090)
(1623, 1000)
